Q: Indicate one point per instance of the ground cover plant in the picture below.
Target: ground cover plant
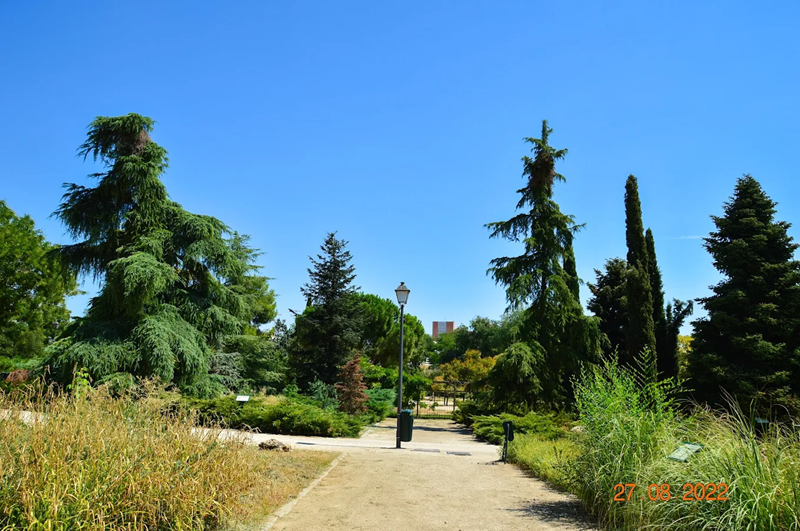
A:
(547, 426)
(292, 414)
(91, 462)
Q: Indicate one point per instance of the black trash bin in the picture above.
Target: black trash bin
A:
(406, 425)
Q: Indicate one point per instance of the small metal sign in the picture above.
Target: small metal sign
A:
(242, 398)
(683, 452)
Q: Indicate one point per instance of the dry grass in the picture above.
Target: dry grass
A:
(98, 463)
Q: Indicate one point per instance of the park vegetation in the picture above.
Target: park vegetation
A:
(598, 397)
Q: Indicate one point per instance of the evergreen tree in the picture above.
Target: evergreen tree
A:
(608, 303)
(351, 388)
(174, 284)
(665, 348)
(328, 330)
(748, 343)
(542, 280)
(640, 333)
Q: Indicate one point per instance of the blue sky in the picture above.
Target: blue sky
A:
(400, 125)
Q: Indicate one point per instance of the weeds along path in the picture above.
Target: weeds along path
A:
(426, 486)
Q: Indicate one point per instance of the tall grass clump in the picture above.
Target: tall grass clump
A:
(631, 425)
(762, 472)
(89, 461)
(626, 417)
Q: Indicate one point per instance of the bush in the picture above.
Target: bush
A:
(288, 416)
(382, 402)
(95, 462)
(548, 426)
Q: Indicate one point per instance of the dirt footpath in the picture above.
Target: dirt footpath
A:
(428, 486)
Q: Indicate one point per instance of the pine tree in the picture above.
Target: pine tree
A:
(328, 330)
(542, 280)
(640, 333)
(351, 387)
(173, 282)
(748, 343)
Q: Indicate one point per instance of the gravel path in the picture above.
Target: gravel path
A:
(425, 487)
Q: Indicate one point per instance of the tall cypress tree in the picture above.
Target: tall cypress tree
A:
(328, 330)
(666, 360)
(748, 343)
(640, 333)
(542, 280)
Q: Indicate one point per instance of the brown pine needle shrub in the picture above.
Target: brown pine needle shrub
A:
(351, 389)
(98, 463)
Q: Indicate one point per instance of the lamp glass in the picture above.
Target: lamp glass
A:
(402, 293)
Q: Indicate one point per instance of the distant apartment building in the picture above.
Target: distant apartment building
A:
(442, 327)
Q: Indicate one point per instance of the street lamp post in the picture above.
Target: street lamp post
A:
(402, 298)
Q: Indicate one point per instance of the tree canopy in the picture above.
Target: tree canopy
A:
(749, 344)
(328, 330)
(542, 280)
(34, 289)
(174, 284)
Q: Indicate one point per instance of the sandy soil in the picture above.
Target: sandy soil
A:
(377, 487)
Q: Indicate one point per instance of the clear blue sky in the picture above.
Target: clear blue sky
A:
(400, 124)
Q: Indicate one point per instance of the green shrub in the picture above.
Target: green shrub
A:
(288, 416)
(382, 402)
(548, 426)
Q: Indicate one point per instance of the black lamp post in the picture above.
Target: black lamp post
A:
(402, 298)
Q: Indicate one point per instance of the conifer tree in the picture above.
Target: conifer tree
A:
(174, 284)
(328, 330)
(542, 280)
(748, 343)
(640, 333)
(351, 387)
(608, 303)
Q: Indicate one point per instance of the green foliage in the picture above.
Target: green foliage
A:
(381, 402)
(388, 352)
(624, 412)
(288, 416)
(547, 425)
(323, 395)
(608, 302)
(640, 333)
(541, 280)
(176, 284)
(549, 459)
(630, 424)
(256, 363)
(749, 344)
(328, 330)
(34, 289)
(515, 377)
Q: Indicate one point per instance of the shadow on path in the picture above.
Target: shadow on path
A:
(563, 511)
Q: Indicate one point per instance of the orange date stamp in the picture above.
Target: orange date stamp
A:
(663, 492)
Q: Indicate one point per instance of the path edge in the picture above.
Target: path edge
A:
(288, 506)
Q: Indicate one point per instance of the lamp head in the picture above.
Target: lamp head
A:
(402, 293)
